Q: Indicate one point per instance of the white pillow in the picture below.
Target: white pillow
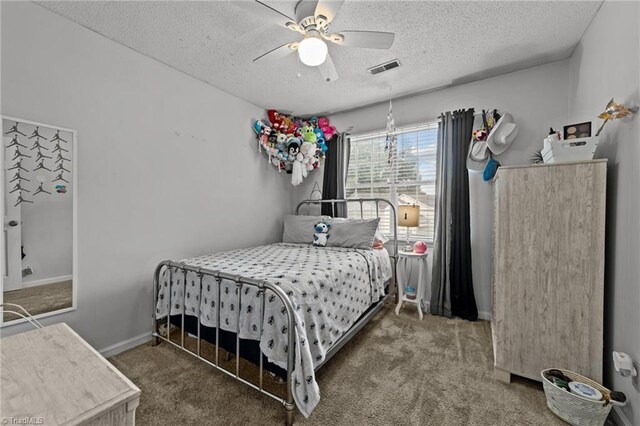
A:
(380, 236)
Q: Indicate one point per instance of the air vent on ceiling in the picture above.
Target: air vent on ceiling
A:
(384, 67)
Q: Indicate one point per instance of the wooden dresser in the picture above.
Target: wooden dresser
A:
(51, 376)
(548, 269)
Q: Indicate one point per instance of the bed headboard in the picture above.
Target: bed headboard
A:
(373, 205)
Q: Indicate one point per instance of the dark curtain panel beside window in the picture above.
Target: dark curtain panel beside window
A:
(452, 280)
(336, 164)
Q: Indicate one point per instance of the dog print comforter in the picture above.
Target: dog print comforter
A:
(329, 287)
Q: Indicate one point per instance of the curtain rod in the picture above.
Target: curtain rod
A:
(426, 124)
(410, 127)
(475, 114)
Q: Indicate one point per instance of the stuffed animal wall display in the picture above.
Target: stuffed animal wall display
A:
(321, 235)
(293, 144)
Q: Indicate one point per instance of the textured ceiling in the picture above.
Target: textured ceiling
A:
(438, 44)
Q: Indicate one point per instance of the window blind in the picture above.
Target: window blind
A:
(410, 179)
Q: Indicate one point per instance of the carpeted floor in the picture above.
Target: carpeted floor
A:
(40, 299)
(396, 371)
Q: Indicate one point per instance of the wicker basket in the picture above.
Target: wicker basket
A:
(572, 408)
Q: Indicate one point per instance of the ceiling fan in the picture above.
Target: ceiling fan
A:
(313, 20)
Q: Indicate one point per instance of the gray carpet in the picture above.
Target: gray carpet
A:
(40, 299)
(396, 371)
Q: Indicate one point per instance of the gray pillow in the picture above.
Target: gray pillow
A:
(300, 229)
(353, 233)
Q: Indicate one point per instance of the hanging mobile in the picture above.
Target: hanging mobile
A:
(57, 137)
(19, 154)
(41, 189)
(15, 142)
(41, 166)
(18, 166)
(392, 140)
(18, 176)
(21, 200)
(60, 177)
(14, 129)
(18, 187)
(37, 145)
(36, 134)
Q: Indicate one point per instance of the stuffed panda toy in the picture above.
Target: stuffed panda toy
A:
(322, 234)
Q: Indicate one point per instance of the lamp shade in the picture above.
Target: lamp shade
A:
(409, 216)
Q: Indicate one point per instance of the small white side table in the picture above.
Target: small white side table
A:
(402, 298)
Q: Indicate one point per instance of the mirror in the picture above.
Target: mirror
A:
(38, 206)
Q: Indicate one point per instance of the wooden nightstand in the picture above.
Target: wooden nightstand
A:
(402, 298)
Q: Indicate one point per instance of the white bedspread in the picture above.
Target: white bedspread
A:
(329, 287)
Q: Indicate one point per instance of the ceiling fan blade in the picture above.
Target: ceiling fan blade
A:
(326, 11)
(269, 14)
(328, 70)
(369, 39)
(279, 52)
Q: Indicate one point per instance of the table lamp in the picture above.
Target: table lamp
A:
(409, 216)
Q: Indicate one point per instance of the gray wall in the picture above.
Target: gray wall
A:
(167, 165)
(537, 99)
(606, 64)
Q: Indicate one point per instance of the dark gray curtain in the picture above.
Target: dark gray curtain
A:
(452, 280)
(336, 165)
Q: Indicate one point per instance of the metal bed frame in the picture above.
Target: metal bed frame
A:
(262, 286)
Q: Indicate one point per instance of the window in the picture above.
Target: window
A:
(410, 181)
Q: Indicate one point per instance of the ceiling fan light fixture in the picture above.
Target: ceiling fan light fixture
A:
(312, 51)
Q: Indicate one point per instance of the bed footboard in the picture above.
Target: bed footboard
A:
(262, 286)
